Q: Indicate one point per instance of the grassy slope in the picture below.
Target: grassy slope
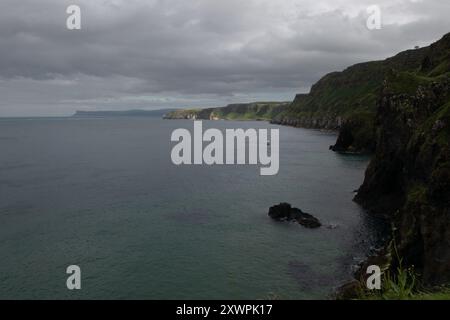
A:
(251, 111)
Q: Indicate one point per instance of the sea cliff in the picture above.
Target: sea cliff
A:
(239, 111)
(408, 179)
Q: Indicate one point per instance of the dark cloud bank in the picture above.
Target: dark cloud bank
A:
(166, 53)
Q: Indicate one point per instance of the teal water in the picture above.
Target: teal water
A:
(103, 194)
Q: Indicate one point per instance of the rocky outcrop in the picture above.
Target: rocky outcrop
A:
(284, 211)
(356, 135)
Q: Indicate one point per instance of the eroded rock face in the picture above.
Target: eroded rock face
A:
(332, 123)
(284, 211)
(408, 180)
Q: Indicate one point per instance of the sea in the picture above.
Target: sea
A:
(104, 195)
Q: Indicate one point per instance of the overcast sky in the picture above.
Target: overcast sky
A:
(154, 54)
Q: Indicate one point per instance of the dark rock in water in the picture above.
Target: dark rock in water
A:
(281, 211)
(284, 211)
(305, 219)
(350, 290)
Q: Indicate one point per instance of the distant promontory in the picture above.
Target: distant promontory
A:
(125, 113)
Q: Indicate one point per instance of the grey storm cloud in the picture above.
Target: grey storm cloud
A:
(166, 53)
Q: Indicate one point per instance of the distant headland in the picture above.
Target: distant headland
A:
(124, 113)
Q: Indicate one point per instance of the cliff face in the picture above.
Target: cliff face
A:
(328, 121)
(408, 180)
(193, 114)
(251, 111)
(241, 111)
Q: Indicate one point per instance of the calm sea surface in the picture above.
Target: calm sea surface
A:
(103, 194)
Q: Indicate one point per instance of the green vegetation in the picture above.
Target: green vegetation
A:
(442, 293)
(251, 111)
(353, 90)
(352, 95)
(442, 115)
(243, 111)
(406, 82)
(402, 284)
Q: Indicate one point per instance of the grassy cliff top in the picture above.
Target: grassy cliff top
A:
(355, 89)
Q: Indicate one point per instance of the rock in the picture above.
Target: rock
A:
(280, 211)
(348, 291)
(305, 219)
(284, 211)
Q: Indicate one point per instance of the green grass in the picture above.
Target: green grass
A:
(251, 111)
(400, 286)
(443, 114)
(403, 284)
(442, 293)
(407, 82)
(442, 68)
